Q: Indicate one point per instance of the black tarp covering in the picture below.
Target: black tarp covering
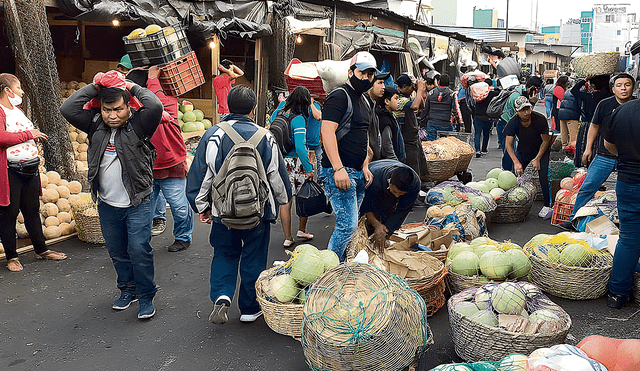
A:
(238, 18)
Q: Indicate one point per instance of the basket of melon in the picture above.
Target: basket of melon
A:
(483, 261)
(565, 265)
(495, 320)
(85, 213)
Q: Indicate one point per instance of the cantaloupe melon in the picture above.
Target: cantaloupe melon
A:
(53, 177)
(63, 191)
(52, 232)
(22, 231)
(82, 156)
(81, 138)
(50, 195)
(75, 187)
(43, 180)
(1, 248)
(20, 217)
(80, 166)
(66, 229)
(49, 209)
(51, 221)
(73, 136)
(73, 200)
(63, 205)
(63, 182)
(51, 186)
(64, 217)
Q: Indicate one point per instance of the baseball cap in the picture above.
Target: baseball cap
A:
(404, 80)
(521, 103)
(381, 75)
(363, 61)
(125, 62)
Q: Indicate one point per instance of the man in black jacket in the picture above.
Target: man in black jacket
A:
(121, 160)
(438, 107)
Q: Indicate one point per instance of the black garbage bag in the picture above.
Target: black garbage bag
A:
(509, 66)
(311, 199)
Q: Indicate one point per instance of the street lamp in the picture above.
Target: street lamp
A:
(506, 33)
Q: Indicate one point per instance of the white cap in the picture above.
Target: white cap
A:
(363, 61)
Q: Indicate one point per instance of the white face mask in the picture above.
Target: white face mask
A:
(16, 100)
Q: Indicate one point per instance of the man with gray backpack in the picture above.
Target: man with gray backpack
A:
(236, 182)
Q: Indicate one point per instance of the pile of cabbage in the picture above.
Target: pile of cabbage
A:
(501, 184)
(454, 193)
(522, 300)
(488, 259)
(305, 266)
(564, 248)
(512, 362)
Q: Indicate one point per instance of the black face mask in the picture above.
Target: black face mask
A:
(358, 85)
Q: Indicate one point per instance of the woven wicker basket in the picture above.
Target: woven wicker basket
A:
(463, 162)
(431, 287)
(457, 283)
(636, 287)
(88, 223)
(506, 212)
(475, 341)
(574, 283)
(440, 170)
(595, 64)
(283, 318)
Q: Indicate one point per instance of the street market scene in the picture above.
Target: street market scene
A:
(444, 185)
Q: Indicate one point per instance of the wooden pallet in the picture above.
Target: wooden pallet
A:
(27, 246)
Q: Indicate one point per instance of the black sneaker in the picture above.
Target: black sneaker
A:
(126, 298)
(567, 226)
(147, 310)
(158, 226)
(478, 154)
(178, 245)
(220, 308)
(617, 301)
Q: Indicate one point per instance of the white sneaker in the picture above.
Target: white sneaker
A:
(250, 317)
(546, 212)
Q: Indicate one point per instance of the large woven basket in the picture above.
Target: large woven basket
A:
(636, 287)
(475, 341)
(358, 317)
(576, 283)
(457, 282)
(431, 288)
(463, 162)
(506, 212)
(88, 223)
(283, 318)
(440, 170)
(602, 63)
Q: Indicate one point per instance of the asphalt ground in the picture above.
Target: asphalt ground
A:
(58, 316)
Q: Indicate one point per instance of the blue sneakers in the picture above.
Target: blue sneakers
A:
(126, 298)
(147, 310)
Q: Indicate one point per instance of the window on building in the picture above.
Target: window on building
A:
(618, 32)
(617, 48)
(609, 18)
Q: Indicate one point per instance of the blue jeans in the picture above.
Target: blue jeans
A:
(548, 103)
(173, 189)
(232, 248)
(507, 163)
(127, 232)
(160, 207)
(627, 252)
(599, 170)
(346, 205)
(501, 137)
(433, 126)
(481, 127)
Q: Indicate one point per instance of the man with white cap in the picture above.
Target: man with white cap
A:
(345, 171)
(532, 131)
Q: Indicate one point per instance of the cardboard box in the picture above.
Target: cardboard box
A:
(602, 226)
(406, 240)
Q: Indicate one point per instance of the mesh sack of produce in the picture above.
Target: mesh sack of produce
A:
(567, 266)
(514, 204)
(467, 216)
(281, 291)
(85, 214)
(496, 320)
(454, 193)
(358, 317)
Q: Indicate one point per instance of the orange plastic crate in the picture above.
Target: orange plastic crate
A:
(182, 75)
(561, 212)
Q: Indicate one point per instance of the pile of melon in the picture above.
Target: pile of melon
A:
(191, 119)
(80, 144)
(565, 249)
(68, 88)
(488, 259)
(58, 196)
(498, 182)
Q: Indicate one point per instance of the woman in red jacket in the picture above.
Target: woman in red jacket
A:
(19, 179)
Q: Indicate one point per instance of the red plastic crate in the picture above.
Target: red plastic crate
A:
(561, 212)
(314, 85)
(182, 75)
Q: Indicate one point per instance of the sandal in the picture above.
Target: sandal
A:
(51, 255)
(288, 243)
(305, 235)
(14, 265)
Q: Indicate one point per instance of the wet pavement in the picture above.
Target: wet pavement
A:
(58, 316)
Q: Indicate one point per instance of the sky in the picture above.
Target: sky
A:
(522, 12)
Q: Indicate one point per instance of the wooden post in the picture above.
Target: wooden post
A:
(260, 81)
(215, 60)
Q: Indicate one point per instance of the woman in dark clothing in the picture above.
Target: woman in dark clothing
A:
(391, 137)
(588, 96)
(482, 123)
(558, 94)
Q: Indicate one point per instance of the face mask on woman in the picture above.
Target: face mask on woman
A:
(16, 100)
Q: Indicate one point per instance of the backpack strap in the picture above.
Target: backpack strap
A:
(344, 126)
(237, 138)
(257, 136)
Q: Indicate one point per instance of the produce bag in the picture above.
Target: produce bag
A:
(521, 194)
(454, 193)
(311, 199)
(569, 250)
(562, 357)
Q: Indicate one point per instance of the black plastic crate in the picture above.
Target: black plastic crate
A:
(162, 55)
(158, 48)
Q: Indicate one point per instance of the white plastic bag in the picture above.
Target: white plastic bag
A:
(562, 357)
(333, 73)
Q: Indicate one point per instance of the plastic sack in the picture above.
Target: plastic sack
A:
(479, 76)
(442, 222)
(311, 199)
(454, 193)
(562, 357)
(479, 91)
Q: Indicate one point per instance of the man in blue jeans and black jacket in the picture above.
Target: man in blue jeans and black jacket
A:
(120, 158)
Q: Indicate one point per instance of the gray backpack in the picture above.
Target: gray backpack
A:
(240, 190)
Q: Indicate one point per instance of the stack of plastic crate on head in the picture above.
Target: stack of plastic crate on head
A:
(169, 49)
